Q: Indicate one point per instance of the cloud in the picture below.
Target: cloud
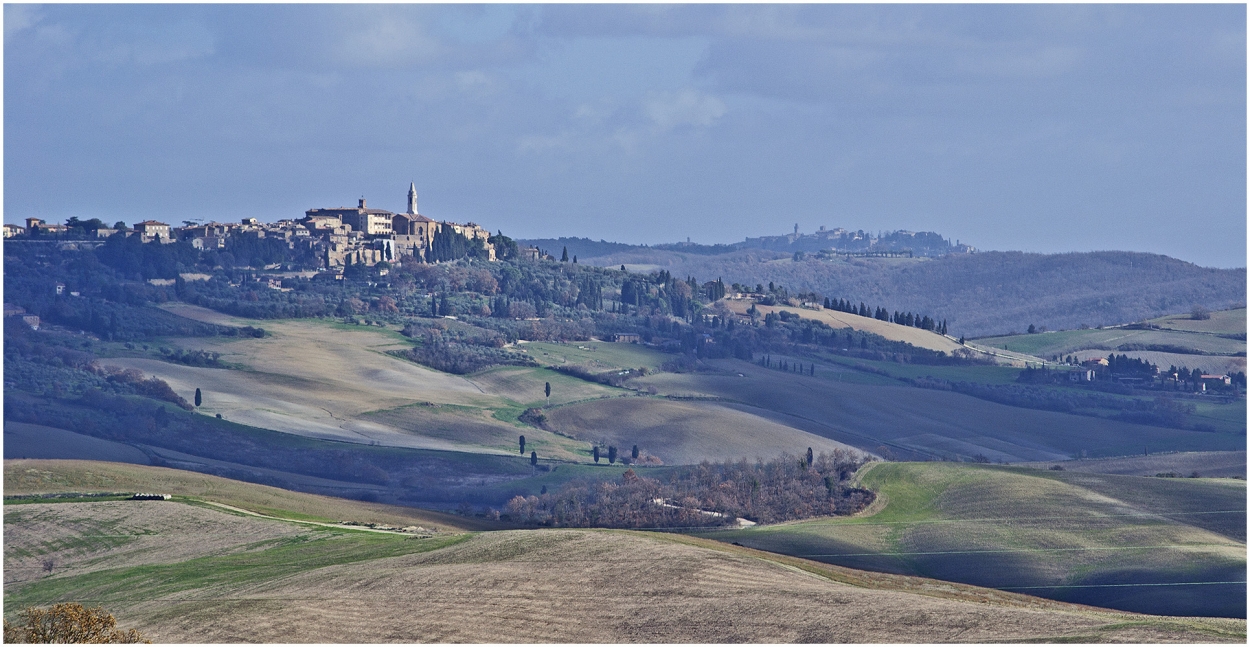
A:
(20, 17)
(685, 108)
(151, 45)
(384, 39)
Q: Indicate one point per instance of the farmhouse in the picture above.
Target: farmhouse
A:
(151, 230)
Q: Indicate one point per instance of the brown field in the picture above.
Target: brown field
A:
(41, 477)
(836, 319)
(583, 586)
(323, 380)
(683, 431)
(1206, 464)
(476, 430)
(927, 423)
(183, 573)
(86, 537)
(524, 386)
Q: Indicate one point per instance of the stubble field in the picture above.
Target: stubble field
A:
(278, 584)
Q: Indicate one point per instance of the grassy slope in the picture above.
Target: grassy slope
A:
(1012, 527)
(598, 355)
(1222, 322)
(1202, 338)
(543, 586)
(1206, 464)
(45, 476)
(1063, 342)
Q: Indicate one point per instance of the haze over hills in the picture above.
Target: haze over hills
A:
(981, 293)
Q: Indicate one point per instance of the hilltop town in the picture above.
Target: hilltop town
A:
(335, 237)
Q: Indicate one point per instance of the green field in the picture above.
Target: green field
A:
(1063, 342)
(1223, 335)
(597, 355)
(1133, 543)
(184, 572)
(1222, 322)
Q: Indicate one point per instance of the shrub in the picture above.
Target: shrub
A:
(68, 622)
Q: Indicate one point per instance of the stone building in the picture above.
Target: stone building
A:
(151, 230)
(352, 235)
(374, 222)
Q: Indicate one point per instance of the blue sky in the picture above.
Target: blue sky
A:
(1035, 127)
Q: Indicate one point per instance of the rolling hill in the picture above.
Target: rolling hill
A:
(1174, 546)
(1216, 345)
(182, 572)
(986, 293)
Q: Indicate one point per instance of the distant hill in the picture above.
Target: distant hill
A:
(581, 247)
(984, 293)
(922, 243)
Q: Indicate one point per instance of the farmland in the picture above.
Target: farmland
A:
(748, 410)
(1124, 542)
(921, 422)
(836, 319)
(220, 577)
(1206, 464)
(1215, 344)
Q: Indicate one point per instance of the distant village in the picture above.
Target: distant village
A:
(339, 236)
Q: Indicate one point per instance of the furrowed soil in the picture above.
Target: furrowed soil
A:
(683, 432)
(923, 423)
(545, 586)
(1205, 464)
(28, 477)
(1169, 546)
(342, 386)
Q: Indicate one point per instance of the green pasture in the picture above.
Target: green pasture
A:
(1132, 543)
(600, 355)
(1222, 322)
(1062, 342)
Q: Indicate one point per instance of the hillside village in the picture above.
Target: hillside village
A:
(336, 237)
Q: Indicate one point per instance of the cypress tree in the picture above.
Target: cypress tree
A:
(533, 459)
(564, 257)
(198, 399)
(611, 454)
(596, 453)
(634, 453)
(522, 445)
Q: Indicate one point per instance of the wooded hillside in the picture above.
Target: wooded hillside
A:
(983, 293)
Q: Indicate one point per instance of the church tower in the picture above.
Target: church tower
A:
(412, 199)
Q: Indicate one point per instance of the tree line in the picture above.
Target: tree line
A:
(709, 494)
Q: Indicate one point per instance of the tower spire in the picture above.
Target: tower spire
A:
(412, 198)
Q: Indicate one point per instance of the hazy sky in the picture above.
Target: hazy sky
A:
(1033, 127)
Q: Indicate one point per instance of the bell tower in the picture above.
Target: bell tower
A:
(412, 199)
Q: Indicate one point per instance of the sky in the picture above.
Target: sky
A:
(1043, 128)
